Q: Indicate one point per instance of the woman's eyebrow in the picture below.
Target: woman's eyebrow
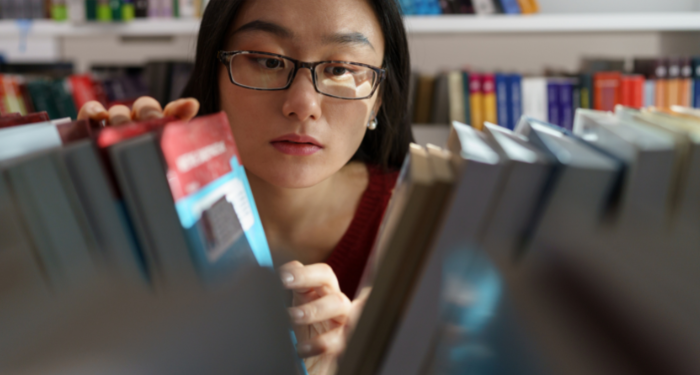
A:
(266, 27)
(348, 38)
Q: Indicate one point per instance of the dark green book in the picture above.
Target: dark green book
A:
(39, 91)
(91, 10)
(63, 100)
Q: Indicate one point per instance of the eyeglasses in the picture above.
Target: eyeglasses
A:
(272, 72)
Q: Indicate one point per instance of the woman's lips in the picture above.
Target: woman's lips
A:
(294, 144)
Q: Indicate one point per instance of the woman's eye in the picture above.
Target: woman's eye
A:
(338, 71)
(271, 63)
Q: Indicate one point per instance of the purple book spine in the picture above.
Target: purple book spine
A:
(553, 103)
(566, 105)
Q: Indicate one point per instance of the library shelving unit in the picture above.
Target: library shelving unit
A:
(524, 43)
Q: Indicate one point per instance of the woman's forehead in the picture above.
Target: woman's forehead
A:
(318, 22)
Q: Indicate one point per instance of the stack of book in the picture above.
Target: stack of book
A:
(119, 240)
(540, 250)
(101, 10)
(478, 97)
(53, 88)
(435, 7)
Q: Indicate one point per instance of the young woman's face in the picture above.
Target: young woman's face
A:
(298, 137)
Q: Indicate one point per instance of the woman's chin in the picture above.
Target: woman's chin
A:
(293, 176)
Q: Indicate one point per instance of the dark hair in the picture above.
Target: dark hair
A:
(385, 146)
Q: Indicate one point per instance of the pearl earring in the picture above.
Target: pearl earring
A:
(372, 124)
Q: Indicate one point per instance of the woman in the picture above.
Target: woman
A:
(321, 142)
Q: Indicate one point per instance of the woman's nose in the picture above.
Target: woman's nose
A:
(302, 102)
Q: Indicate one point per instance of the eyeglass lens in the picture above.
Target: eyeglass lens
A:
(269, 72)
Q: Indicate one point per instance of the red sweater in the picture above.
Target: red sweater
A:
(349, 257)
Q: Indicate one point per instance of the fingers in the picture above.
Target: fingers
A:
(331, 342)
(336, 307)
(93, 110)
(119, 114)
(146, 108)
(183, 109)
(300, 278)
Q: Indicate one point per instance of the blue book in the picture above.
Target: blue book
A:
(502, 103)
(566, 104)
(407, 7)
(515, 108)
(553, 115)
(427, 7)
(696, 82)
(510, 7)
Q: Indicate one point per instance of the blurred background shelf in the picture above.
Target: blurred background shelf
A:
(539, 23)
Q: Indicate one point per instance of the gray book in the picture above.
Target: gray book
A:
(519, 192)
(441, 101)
(140, 173)
(477, 170)
(650, 156)
(579, 191)
(107, 215)
(48, 202)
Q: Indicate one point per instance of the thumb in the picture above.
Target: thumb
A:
(183, 109)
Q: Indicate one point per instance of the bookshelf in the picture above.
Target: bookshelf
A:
(526, 43)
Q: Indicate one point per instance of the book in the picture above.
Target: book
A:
(456, 96)
(696, 84)
(488, 89)
(398, 256)
(661, 89)
(526, 171)
(484, 6)
(510, 6)
(535, 100)
(515, 104)
(17, 120)
(53, 216)
(673, 82)
(141, 8)
(632, 91)
(566, 103)
(476, 100)
(607, 90)
(424, 99)
(529, 6)
(502, 99)
(467, 98)
(441, 100)
(685, 86)
(553, 107)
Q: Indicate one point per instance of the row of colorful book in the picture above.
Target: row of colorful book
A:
(55, 90)
(101, 10)
(435, 7)
(541, 250)
(135, 245)
(475, 97)
(498, 253)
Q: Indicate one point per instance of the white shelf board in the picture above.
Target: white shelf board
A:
(541, 23)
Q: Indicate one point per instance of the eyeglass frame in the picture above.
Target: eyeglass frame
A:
(226, 56)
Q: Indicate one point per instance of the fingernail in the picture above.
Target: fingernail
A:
(287, 278)
(95, 109)
(148, 114)
(295, 313)
(304, 348)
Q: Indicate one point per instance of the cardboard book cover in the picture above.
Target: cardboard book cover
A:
(212, 196)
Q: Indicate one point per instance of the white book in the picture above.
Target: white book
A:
(535, 104)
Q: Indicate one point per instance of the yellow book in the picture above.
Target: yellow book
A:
(488, 90)
(529, 6)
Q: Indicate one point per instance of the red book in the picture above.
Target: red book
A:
(606, 86)
(114, 134)
(632, 91)
(7, 121)
(85, 89)
(10, 115)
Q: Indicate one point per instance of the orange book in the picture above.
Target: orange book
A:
(476, 101)
(529, 6)
(673, 83)
(661, 78)
(606, 87)
(12, 99)
(488, 90)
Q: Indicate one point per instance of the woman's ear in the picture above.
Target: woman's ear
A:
(375, 108)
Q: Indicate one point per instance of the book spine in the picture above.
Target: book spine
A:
(566, 105)
(76, 11)
(91, 10)
(553, 103)
(661, 75)
(502, 103)
(696, 85)
(607, 90)
(488, 87)
(484, 6)
(515, 108)
(476, 101)
(586, 82)
(467, 102)
(649, 93)
(128, 10)
(58, 10)
(685, 93)
(141, 8)
(673, 85)
(510, 7)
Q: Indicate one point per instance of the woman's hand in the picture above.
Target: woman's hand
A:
(320, 314)
(145, 108)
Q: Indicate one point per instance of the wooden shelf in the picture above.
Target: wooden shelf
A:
(538, 23)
